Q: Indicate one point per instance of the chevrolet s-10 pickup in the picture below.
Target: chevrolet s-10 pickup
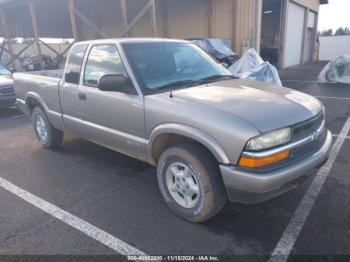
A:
(166, 102)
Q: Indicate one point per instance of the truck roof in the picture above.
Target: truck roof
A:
(133, 40)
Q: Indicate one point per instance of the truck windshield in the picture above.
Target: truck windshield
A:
(160, 66)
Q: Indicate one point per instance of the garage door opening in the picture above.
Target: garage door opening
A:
(293, 45)
(271, 30)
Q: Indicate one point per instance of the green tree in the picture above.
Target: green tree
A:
(328, 32)
(342, 31)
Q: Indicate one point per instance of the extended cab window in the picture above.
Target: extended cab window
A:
(74, 63)
(103, 60)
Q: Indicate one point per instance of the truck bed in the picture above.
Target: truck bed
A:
(43, 87)
(48, 73)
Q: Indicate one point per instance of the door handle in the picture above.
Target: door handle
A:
(82, 96)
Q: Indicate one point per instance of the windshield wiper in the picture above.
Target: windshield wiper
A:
(217, 77)
(179, 84)
(190, 83)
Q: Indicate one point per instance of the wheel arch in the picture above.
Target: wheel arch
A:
(166, 135)
(33, 100)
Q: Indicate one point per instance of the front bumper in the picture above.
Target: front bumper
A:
(250, 188)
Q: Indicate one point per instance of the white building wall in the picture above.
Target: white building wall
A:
(294, 35)
(333, 46)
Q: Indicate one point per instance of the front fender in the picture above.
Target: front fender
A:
(193, 133)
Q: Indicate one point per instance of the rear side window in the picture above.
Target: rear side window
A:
(75, 61)
(103, 60)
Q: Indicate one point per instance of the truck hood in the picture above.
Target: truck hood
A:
(264, 106)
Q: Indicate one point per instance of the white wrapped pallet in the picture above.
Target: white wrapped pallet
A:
(252, 66)
(336, 71)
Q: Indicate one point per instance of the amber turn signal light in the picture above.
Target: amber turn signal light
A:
(265, 161)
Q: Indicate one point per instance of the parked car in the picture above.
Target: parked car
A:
(7, 93)
(216, 48)
(168, 103)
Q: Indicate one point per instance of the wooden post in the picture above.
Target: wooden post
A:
(283, 37)
(73, 19)
(36, 31)
(7, 37)
(124, 14)
(234, 24)
(2, 48)
(210, 18)
(154, 18)
(165, 18)
(258, 23)
(314, 54)
(303, 46)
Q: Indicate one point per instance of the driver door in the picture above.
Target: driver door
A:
(112, 119)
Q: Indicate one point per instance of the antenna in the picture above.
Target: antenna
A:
(167, 68)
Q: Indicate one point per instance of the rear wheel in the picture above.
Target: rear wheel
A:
(47, 135)
(190, 182)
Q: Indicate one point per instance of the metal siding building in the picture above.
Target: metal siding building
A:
(246, 24)
(312, 4)
(222, 24)
(241, 23)
(187, 19)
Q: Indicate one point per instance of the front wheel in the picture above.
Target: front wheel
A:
(47, 135)
(190, 182)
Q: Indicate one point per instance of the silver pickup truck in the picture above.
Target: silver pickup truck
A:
(166, 102)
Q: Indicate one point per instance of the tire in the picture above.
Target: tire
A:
(47, 135)
(202, 175)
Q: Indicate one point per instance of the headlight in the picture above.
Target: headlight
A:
(269, 140)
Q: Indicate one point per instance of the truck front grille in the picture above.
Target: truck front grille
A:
(307, 128)
(310, 148)
(299, 132)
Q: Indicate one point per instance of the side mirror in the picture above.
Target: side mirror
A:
(116, 83)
